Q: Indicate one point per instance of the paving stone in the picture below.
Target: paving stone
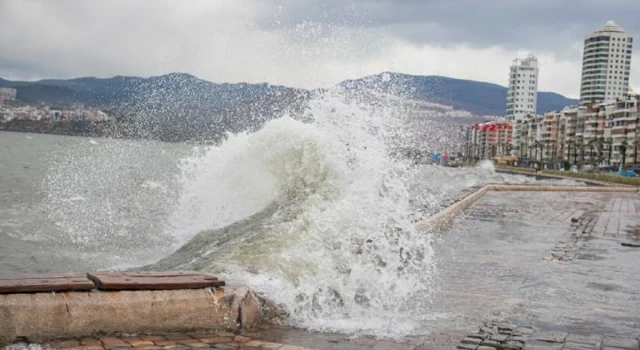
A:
(583, 339)
(474, 341)
(87, 347)
(177, 347)
(111, 342)
(241, 339)
(137, 343)
(166, 342)
(120, 348)
(177, 337)
(518, 338)
(484, 347)
(270, 346)
(511, 345)
(152, 337)
(548, 346)
(254, 343)
(621, 343)
(199, 345)
(291, 347)
(499, 337)
(491, 343)
(489, 330)
(225, 334)
(466, 347)
(224, 347)
(551, 337)
(478, 335)
(216, 340)
(90, 342)
(65, 344)
(578, 346)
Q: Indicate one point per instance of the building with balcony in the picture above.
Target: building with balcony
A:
(7, 94)
(522, 94)
(606, 64)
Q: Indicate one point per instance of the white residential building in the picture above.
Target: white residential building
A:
(522, 96)
(7, 94)
(606, 64)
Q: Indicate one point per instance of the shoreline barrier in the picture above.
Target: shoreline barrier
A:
(445, 216)
(43, 316)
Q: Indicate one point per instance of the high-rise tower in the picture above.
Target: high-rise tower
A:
(606, 64)
(522, 96)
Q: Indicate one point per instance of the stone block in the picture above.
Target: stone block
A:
(467, 346)
(478, 335)
(152, 337)
(90, 342)
(579, 346)
(43, 316)
(489, 342)
(111, 342)
(583, 339)
(216, 340)
(255, 343)
(224, 347)
(474, 341)
(551, 337)
(241, 339)
(484, 347)
(499, 337)
(621, 343)
(138, 343)
(511, 345)
(65, 344)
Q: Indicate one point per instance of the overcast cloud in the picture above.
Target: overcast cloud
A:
(304, 43)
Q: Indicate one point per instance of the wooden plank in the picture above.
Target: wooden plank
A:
(153, 280)
(44, 283)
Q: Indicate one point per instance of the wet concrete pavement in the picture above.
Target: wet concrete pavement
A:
(532, 270)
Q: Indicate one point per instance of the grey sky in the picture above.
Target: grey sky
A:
(306, 43)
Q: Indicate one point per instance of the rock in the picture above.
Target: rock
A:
(489, 330)
(241, 339)
(486, 348)
(491, 343)
(518, 338)
(499, 337)
(466, 347)
(511, 345)
(478, 335)
(474, 341)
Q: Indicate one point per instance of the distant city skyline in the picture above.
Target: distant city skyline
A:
(306, 44)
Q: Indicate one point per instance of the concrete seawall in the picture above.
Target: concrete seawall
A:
(46, 316)
(445, 216)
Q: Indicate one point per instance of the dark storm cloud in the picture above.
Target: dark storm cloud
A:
(539, 24)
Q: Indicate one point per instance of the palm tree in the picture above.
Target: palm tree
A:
(593, 143)
(635, 152)
(569, 144)
(623, 152)
(600, 145)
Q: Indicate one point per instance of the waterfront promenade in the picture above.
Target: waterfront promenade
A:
(516, 270)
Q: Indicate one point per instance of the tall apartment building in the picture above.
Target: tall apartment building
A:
(522, 95)
(606, 64)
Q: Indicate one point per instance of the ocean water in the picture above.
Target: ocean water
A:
(317, 216)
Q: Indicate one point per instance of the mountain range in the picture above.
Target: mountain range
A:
(478, 98)
(179, 106)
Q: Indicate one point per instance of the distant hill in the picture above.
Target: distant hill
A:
(479, 98)
(180, 106)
